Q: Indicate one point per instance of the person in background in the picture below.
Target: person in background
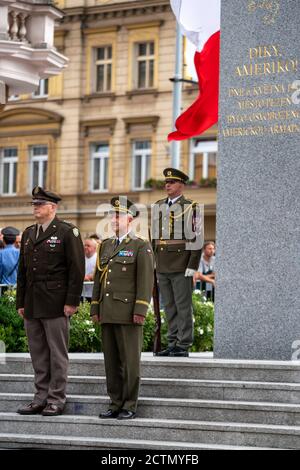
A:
(9, 257)
(18, 241)
(1, 240)
(94, 236)
(90, 251)
(205, 274)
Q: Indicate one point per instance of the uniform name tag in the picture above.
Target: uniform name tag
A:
(125, 253)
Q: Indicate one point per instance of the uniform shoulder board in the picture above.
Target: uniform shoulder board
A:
(161, 201)
(30, 227)
(75, 230)
(68, 223)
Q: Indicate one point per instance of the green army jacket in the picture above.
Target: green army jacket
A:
(123, 280)
(51, 270)
(178, 223)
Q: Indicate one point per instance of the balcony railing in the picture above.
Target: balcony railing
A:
(27, 44)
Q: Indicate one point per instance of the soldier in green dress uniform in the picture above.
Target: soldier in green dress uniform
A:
(177, 247)
(121, 295)
(49, 285)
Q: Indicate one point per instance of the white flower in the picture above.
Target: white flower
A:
(11, 299)
(197, 291)
(201, 331)
(92, 330)
(88, 322)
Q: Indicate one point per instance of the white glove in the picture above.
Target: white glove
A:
(189, 272)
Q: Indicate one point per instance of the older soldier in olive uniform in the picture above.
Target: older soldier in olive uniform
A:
(121, 295)
(177, 254)
(50, 279)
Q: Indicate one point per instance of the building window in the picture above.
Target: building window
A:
(144, 64)
(141, 163)
(42, 91)
(39, 164)
(99, 166)
(203, 160)
(13, 98)
(9, 162)
(103, 63)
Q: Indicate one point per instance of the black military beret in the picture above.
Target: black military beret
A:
(10, 232)
(123, 204)
(174, 174)
(40, 194)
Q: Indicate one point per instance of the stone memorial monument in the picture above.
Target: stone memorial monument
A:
(258, 207)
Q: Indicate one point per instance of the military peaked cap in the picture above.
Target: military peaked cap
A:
(174, 174)
(124, 205)
(39, 194)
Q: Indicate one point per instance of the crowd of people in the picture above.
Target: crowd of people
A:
(10, 242)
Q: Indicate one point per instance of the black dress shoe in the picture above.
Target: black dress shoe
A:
(31, 409)
(125, 414)
(109, 414)
(179, 352)
(165, 352)
(52, 410)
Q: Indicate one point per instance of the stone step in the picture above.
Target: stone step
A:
(171, 388)
(194, 367)
(214, 433)
(23, 441)
(195, 410)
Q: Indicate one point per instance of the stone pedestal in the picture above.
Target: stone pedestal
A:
(258, 206)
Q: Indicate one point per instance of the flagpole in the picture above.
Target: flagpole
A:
(175, 145)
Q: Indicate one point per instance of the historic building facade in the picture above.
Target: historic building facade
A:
(101, 126)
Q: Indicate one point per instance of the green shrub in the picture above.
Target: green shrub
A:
(84, 334)
(12, 331)
(86, 337)
(203, 323)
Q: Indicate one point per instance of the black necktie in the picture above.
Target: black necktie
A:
(117, 243)
(40, 231)
(170, 203)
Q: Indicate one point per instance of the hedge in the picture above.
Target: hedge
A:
(86, 337)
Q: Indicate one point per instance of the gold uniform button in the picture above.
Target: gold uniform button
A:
(109, 270)
(161, 249)
(108, 282)
(107, 295)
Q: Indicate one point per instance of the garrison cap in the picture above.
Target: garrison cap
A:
(124, 205)
(39, 195)
(174, 174)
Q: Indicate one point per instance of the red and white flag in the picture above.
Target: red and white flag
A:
(200, 22)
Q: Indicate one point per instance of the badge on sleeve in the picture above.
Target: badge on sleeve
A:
(76, 232)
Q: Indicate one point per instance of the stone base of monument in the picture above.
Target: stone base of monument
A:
(186, 403)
